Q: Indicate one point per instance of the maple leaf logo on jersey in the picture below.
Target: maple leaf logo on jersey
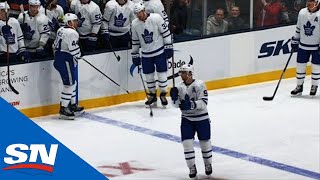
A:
(147, 36)
(308, 29)
(119, 21)
(7, 34)
(80, 19)
(54, 25)
(27, 31)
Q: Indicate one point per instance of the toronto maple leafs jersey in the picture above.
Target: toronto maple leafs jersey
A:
(53, 16)
(117, 19)
(156, 6)
(308, 29)
(151, 34)
(197, 92)
(89, 17)
(15, 37)
(67, 41)
(37, 32)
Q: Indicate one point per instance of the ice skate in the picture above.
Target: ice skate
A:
(297, 91)
(163, 99)
(193, 172)
(208, 169)
(76, 109)
(66, 113)
(313, 90)
(152, 100)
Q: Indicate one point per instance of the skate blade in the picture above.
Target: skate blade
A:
(64, 117)
(195, 178)
(295, 95)
(78, 113)
(153, 105)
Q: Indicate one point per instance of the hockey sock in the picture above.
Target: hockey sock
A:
(301, 73)
(206, 150)
(66, 95)
(315, 74)
(189, 152)
(151, 83)
(162, 79)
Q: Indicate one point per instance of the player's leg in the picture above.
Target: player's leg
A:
(78, 110)
(204, 133)
(187, 138)
(65, 68)
(148, 70)
(162, 68)
(302, 60)
(315, 73)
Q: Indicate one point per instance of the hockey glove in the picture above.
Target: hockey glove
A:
(294, 44)
(136, 60)
(187, 104)
(106, 36)
(92, 42)
(168, 51)
(41, 52)
(7, 34)
(174, 92)
(24, 56)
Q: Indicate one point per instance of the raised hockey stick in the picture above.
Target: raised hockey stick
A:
(270, 98)
(104, 74)
(145, 90)
(8, 56)
(117, 56)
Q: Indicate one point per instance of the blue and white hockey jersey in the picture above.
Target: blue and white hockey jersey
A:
(197, 92)
(308, 29)
(117, 19)
(151, 34)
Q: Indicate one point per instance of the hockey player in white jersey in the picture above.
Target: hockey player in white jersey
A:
(192, 98)
(10, 33)
(89, 16)
(67, 53)
(306, 41)
(35, 28)
(54, 12)
(116, 22)
(153, 35)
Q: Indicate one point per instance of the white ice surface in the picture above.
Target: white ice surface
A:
(285, 130)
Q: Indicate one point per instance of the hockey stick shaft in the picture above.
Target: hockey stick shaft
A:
(145, 90)
(104, 74)
(7, 54)
(283, 71)
(117, 57)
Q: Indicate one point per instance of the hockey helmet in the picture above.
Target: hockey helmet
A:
(34, 2)
(138, 7)
(186, 68)
(69, 17)
(4, 5)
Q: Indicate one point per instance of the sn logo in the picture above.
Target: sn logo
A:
(273, 48)
(20, 159)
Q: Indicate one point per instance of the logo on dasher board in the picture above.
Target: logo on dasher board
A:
(34, 157)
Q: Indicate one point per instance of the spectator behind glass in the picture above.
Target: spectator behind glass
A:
(270, 12)
(216, 23)
(295, 8)
(235, 22)
(15, 7)
(178, 16)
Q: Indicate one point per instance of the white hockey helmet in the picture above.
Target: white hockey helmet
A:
(186, 68)
(138, 7)
(34, 2)
(69, 17)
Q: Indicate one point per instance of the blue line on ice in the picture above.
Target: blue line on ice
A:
(219, 150)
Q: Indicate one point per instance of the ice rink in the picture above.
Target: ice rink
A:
(252, 139)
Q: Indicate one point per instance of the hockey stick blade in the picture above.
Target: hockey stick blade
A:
(151, 113)
(118, 58)
(13, 89)
(266, 98)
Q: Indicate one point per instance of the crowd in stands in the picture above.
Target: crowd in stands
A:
(185, 18)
